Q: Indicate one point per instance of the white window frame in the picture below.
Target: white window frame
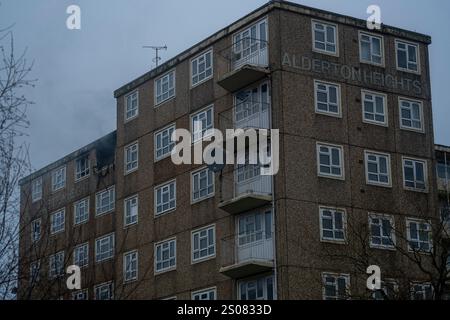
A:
(425, 174)
(199, 249)
(201, 56)
(408, 43)
(129, 163)
(200, 293)
(60, 227)
(84, 292)
(162, 79)
(169, 268)
(336, 276)
(373, 215)
(336, 37)
(423, 285)
(371, 36)
(35, 222)
(408, 235)
(162, 132)
(337, 114)
(36, 189)
(111, 207)
(53, 271)
(85, 173)
(341, 156)
(344, 224)
(209, 184)
(84, 247)
(59, 185)
(205, 132)
(86, 201)
(254, 282)
(130, 275)
(174, 199)
(374, 94)
(133, 96)
(99, 287)
(422, 119)
(111, 251)
(378, 155)
(126, 213)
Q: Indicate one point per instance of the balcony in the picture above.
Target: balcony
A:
(247, 254)
(443, 177)
(244, 189)
(248, 61)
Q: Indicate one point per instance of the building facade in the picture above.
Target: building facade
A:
(356, 185)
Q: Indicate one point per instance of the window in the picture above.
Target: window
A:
(81, 255)
(56, 265)
(203, 244)
(250, 46)
(206, 294)
(422, 291)
(131, 157)
(332, 224)
(105, 201)
(104, 291)
(327, 98)
(35, 268)
(325, 38)
(165, 88)
(388, 291)
(132, 106)
(382, 233)
(81, 211)
(164, 143)
(374, 108)
(202, 184)
(104, 248)
(57, 221)
(378, 168)
(411, 115)
(257, 289)
(202, 68)
(130, 266)
(419, 235)
(254, 227)
(80, 295)
(36, 189)
(82, 168)
(165, 198)
(252, 106)
(371, 48)
(59, 179)
(415, 174)
(36, 230)
(330, 161)
(202, 124)
(335, 286)
(407, 56)
(131, 208)
(165, 256)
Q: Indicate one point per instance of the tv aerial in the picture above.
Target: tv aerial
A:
(157, 49)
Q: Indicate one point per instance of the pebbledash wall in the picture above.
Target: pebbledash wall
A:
(353, 108)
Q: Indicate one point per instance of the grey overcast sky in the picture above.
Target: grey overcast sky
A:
(78, 71)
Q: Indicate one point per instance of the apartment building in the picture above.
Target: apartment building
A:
(356, 185)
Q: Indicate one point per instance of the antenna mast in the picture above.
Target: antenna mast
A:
(157, 58)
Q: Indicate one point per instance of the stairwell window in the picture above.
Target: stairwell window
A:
(165, 198)
(82, 168)
(165, 87)
(330, 161)
(81, 255)
(332, 224)
(57, 222)
(81, 211)
(335, 286)
(382, 233)
(56, 265)
(104, 248)
(105, 201)
(371, 48)
(327, 97)
(419, 235)
(202, 68)
(203, 244)
(378, 168)
(165, 256)
(415, 174)
(131, 209)
(36, 230)
(59, 179)
(163, 142)
(36, 189)
(131, 105)
(407, 56)
(202, 124)
(374, 108)
(411, 115)
(130, 266)
(325, 38)
(131, 157)
(202, 184)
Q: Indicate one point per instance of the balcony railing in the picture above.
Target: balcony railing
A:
(246, 254)
(247, 60)
(244, 188)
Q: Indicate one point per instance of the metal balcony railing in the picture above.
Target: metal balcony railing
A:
(247, 115)
(247, 51)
